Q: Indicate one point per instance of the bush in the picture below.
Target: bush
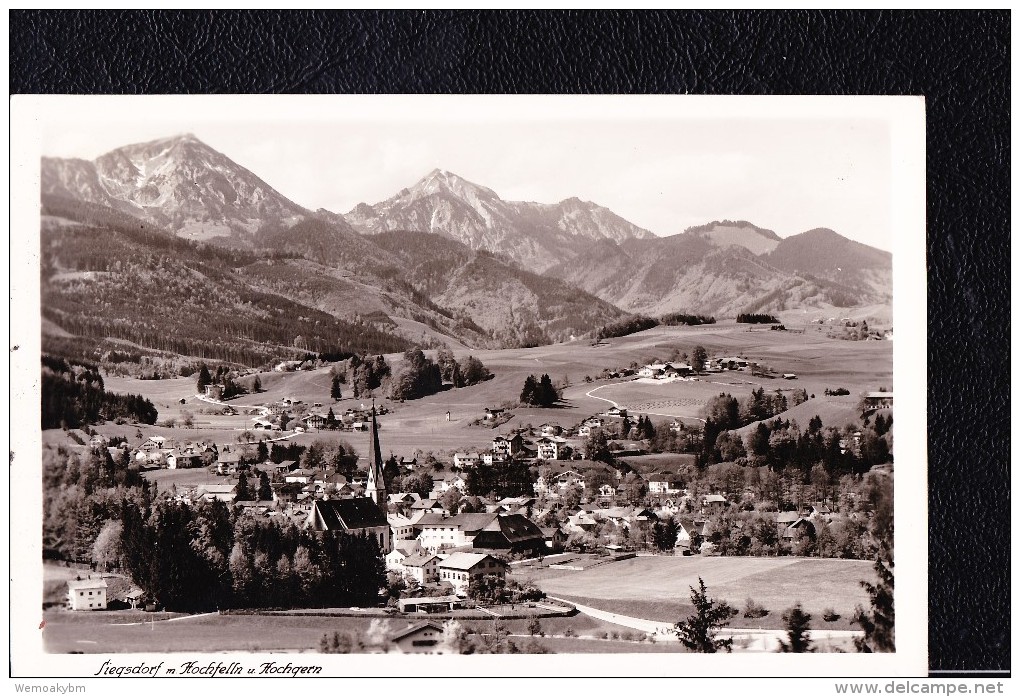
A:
(570, 632)
(754, 610)
(830, 615)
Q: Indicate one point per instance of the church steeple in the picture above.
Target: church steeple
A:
(376, 486)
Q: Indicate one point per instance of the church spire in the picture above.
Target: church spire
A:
(376, 487)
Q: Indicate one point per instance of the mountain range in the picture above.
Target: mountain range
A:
(445, 260)
(533, 235)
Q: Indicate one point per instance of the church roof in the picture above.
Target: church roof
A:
(349, 514)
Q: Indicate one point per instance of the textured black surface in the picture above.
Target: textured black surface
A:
(958, 61)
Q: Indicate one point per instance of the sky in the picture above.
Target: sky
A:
(661, 172)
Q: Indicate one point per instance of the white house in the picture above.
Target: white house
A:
(423, 637)
(87, 594)
(463, 460)
(552, 448)
(422, 567)
(401, 527)
(461, 567)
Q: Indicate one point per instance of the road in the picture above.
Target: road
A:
(650, 413)
(752, 640)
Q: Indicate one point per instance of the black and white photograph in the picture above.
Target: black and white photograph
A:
(384, 376)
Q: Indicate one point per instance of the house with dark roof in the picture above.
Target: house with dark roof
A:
(512, 533)
(507, 446)
(423, 637)
(352, 516)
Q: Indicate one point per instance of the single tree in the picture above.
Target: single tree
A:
(204, 378)
(698, 358)
(798, 625)
(256, 385)
(698, 632)
(265, 490)
(242, 491)
(334, 390)
(529, 394)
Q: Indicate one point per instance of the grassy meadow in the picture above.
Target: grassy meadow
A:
(422, 426)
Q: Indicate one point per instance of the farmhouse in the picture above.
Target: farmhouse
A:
(402, 550)
(314, 421)
(553, 449)
(512, 533)
(87, 594)
(713, 502)
(424, 637)
(507, 447)
(660, 485)
(652, 370)
(493, 413)
(464, 460)
(490, 459)
(218, 492)
(401, 528)
(690, 532)
(878, 400)
(440, 485)
(460, 568)
(551, 430)
(423, 567)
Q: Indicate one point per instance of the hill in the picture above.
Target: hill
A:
(516, 307)
(112, 280)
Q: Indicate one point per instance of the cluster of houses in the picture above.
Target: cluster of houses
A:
(273, 416)
(665, 371)
(161, 452)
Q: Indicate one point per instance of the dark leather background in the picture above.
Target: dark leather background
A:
(958, 61)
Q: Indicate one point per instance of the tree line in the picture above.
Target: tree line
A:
(73, 395)
(679, 318)
(211, 558)
(756, 318)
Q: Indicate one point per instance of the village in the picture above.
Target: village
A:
(474, 530)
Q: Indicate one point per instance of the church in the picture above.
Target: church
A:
(364, 515)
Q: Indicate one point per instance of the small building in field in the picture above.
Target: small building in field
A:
(442, 603)
(878, 400)
(87, 594)
(423, 637)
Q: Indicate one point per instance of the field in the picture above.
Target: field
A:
(422, 426)
(137, 632)
(658, 588)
